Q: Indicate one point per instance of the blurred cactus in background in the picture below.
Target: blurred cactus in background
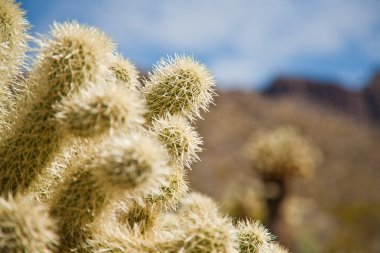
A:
(282, 153)
(278, 156)
(93, 161)
(246, 201)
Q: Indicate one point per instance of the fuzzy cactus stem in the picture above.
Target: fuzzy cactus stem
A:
(26, 226)
(132, 164)
(73, 56)
(178, 85)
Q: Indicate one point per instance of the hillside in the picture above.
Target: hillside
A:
(362, 105)
(344, 192)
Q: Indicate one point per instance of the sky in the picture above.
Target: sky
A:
(245, 43)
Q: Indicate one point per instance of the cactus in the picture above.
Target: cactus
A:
(25, 226)
(75, 55)
(44, 187)
(100, 109)
(279, 155)
(282, 152)
(119, 164)
(200, 234)
(142, 214)
(186, 231)
(93, 161)
(198, 204)
(253, 237)
(125, 72)
(13, 43)
(91, 113)
(178, 85)
(198, 227)
(179, 138)
(170, 194)
(277, 248)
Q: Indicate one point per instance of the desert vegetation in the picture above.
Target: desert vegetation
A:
(93, 160)
(278, 156)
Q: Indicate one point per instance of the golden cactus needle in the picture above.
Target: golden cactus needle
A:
(134, 163)
(178, 85)
(141, 213)
(99, 109)
(189, 232)
(92, 113)
(26, 227)
(203, 231)
(119, 184)
(13, 47)
(179, 138)
(125, 72)
(13, 41)
(172, 192)
(74, 56)
(253, 237)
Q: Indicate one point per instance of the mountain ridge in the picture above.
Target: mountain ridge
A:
(362, 105)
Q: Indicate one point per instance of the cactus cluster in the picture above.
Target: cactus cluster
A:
(279, 155)
(92, 160)
(282, 152)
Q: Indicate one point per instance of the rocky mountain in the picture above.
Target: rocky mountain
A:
(362, 105)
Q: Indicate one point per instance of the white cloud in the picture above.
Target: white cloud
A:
(262, 36)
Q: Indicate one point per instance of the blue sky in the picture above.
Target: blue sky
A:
(245, 43)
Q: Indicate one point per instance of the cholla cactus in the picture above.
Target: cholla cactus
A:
(100, 109)
(74, 56)
(142, 213)
(170, 194)
(103, 156)
(277, 248)
(279, 155)
(198, 204)
(253, 237)
(199, 234)
(282, 152)
(13, 42)
(48, 182)
(26, 227)
(198, 227)
(93, 112)
(120, 164)
(179, 138)
(125, 72)
(13, 45)
(178, 85)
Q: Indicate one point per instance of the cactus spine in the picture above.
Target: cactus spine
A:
(72, 57)
(100, 109)
(25, 226)
(253, 237)
(179, 138)
(125, 72)
(92, 161)
(119, 164)
(178, 85)
(13, 43)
